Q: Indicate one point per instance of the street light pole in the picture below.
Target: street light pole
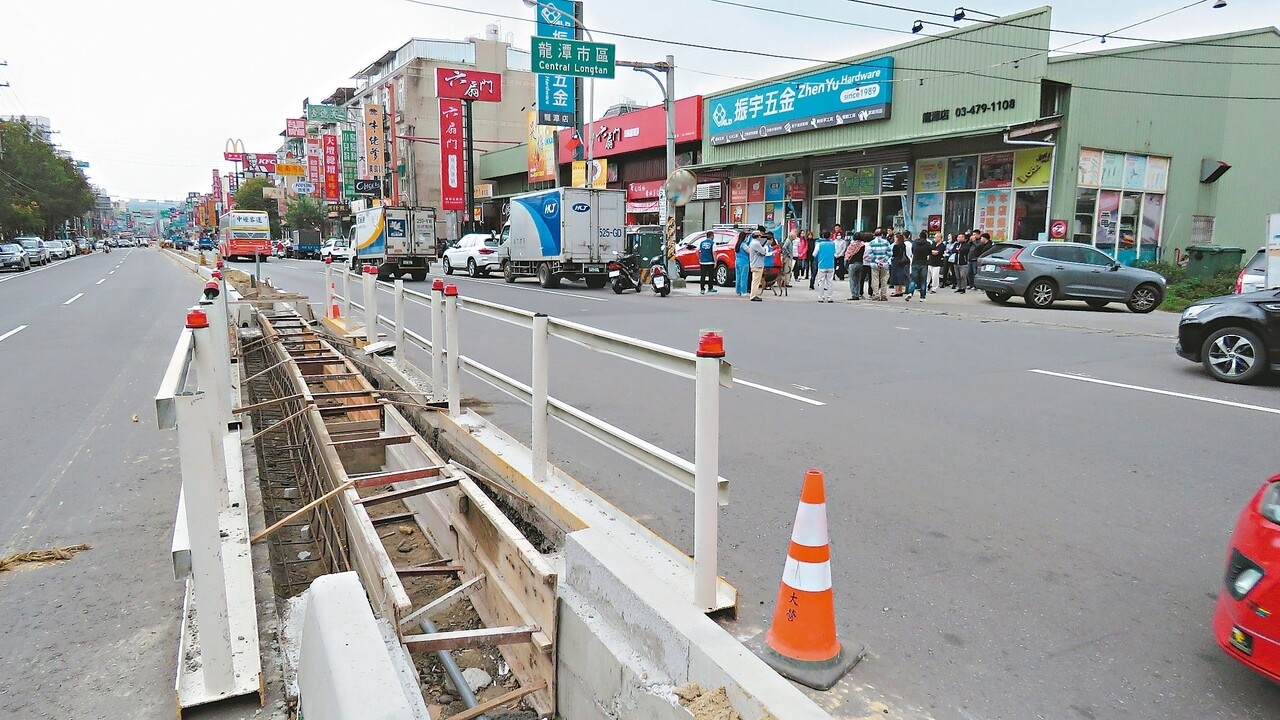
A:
(669, 104)
(591, 89)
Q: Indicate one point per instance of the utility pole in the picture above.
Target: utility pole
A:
(666, 211)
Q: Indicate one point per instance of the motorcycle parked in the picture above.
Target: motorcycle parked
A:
(658, 278)
(624, 273)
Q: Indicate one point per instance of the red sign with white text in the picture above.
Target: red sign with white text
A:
(453, 189)
(260, 162)
(468, 85)
(644, 190)
(315, 164)
(640, 130)
(295, 127)
(332, 183)
(217, 187)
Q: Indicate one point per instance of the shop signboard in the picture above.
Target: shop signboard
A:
(796, 189)
(349, 155)
(843, 95)
(1058, 230)
(326, 113)
(858, 182)
(315, 164)
(737, 191)
(375, 141)
(332, 184)
(995, 170)
(468, 85)
(640, 130)
(540, 149)
(775, 188)
(1157, 174)
(1135, 172)
(1090, 169)
(295, 127)
(1112, 169)
(599, 174)
(644, 190)
(931, 175)
(290, 169)
(557, 94)
(452, 179)
(992, 213)
(962, 172)
(755, 189)
(1031, 167)
(929, 204)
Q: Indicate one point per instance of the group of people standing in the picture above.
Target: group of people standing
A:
(884, 260)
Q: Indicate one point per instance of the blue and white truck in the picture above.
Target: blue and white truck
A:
(399, 241)
(564, 234)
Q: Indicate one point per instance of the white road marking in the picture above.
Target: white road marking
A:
(100, 281)
(900, 328)
(35, 270)
(113, 272)
(803, 388)
(73, 299)
(12, 332)
(1156, 391)
(775, 391)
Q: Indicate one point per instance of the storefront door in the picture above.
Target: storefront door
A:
(959, 212)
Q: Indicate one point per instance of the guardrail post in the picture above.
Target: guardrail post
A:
(222, 326)
(204, 488)
(539, 441)
(211, 369)
(370, 304)
(399, 303)
(706, 468)
(328, 287)
(346, 293)
(437, 340)
(451, 352)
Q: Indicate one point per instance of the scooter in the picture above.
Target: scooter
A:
(658, 278)
(624, 273)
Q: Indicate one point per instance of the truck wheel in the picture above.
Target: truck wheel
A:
(546, 278)
(418, 275)
(595, 282)
(508, 272)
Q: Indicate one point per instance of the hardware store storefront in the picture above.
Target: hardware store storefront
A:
(914, 138)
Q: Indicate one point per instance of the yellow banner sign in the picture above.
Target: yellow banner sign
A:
(291, 169)
(599, 173)
(540, 149)
(1031, 168)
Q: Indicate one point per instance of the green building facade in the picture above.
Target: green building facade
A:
(979, 128)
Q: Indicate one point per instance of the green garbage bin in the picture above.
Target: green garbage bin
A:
(1209, 260)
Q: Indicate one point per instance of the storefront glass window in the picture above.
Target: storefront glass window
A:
(891, 213)
(1086, 208)
(848, 214)
(1031, 209)
(959, 212)
(1124, 215)
(826, 216)
(828, 183)
(893, 178)
(870, 219)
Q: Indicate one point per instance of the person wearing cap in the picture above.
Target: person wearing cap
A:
(825, 257)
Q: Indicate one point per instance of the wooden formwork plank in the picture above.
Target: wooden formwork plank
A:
(406, 492)
(368, 480)
(429, 570)
(373, 442)
(464, 639)
(343, 409)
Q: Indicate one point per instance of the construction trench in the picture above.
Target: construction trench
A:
(496, 596)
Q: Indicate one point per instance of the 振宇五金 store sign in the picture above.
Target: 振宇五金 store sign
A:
(844, 95)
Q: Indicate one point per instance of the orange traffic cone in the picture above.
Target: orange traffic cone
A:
(801, 641)
(333, 298)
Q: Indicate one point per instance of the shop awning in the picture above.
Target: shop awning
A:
(642, 206)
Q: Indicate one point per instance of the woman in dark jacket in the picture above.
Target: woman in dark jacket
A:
(899, 265)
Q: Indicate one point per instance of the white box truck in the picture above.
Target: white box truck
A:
(564, 234)
(400, 241)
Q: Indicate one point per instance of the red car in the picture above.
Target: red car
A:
(1246, 622)
(726, 238)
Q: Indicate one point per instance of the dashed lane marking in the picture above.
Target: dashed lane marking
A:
(100, 281)
(74, 298)
(781, 393)
(12, 332)
(1157, 391)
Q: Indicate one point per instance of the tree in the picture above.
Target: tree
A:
(305, 213)
(39, 189)
(249, 197)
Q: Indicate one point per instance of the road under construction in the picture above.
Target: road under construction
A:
(407, 536)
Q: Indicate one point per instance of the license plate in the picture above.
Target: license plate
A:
(594, 269)
(659, 281)
(1241, 641)
(988, 268)
(410, 262)
(614, 273)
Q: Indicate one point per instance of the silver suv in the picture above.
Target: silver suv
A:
(1043, 272)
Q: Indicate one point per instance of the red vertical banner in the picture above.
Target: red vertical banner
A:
(217, 187)
(393, 144)
(453, 191)
(332, 185)
(315, 164)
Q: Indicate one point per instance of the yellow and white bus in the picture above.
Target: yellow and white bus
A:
(244, 234)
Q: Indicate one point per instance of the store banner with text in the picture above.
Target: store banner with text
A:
(541, 149)
(375, 141)
(332, 187)
(468, 85)
(599, 174)
(453, 191)
(217, 187)
(348, 164)
(295, 127)
(557, 94)
(315, 163)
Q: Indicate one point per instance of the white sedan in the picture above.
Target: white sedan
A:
(479, 253)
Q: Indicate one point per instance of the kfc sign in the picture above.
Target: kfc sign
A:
(640, 130)
(468, 85)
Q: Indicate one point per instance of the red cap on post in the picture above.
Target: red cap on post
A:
(370, 269)
(437, 285)
(217, 274)
(328, 261)
(710, 344)
(451, 290)
(218, 264)
(196, 319)
(212, 285)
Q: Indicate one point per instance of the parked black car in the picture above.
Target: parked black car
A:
(13, 257)
(1236, 337)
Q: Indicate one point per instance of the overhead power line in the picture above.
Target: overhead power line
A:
(838, 63)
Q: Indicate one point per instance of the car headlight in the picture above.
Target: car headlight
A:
(1243, 575)
(1269, 505)
(1245, 581)
(1192, 312)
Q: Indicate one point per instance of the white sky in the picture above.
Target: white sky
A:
(148, 91)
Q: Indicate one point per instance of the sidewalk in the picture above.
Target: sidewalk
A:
(1115, 318)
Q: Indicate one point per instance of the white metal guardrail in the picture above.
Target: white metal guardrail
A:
(218, 648)
(707, 368)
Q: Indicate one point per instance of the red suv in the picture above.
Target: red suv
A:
(725, 259)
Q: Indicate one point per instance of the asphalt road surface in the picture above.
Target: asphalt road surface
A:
(83, 344)
(1010, 539)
